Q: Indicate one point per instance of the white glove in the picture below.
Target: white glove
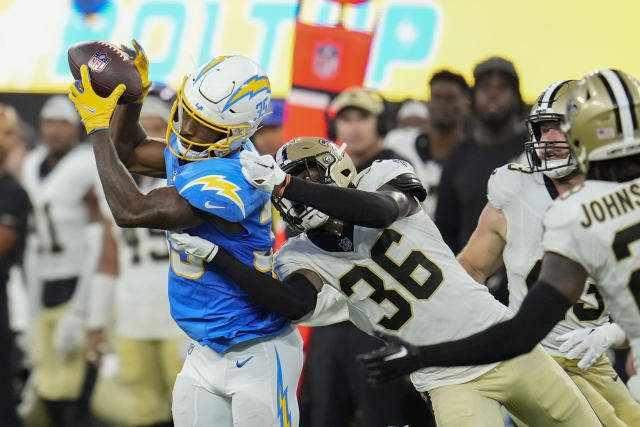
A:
(590, 343)
(69, 334)
(193, 245)
(261, 171)
(633, 384)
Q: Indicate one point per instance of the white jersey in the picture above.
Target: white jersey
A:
(402, 280)
(523, 198)
(142, 302)
(598, 226)
(60, 212)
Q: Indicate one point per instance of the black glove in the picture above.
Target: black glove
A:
(395, 359)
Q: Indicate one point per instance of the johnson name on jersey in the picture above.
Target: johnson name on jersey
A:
(205, 303)
(597, 225)
(402, 280)
(523, 197)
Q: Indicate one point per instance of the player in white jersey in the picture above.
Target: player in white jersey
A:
(510, 231)
(396, 275)
(135, 384)
(60, 177)
(592, 230)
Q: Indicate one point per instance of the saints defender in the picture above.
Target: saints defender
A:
(244, 362)
(592, 230)
(376, 245)
(510, 230)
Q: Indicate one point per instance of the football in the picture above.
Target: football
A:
(108, 67)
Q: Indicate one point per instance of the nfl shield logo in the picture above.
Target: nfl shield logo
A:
(326, 60)
(98, 61)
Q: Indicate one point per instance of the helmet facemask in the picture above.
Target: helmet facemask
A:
(231, 137)
(324, 163)
(553, 158)
(538, 152)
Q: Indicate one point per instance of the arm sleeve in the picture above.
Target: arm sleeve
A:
(542, 308)
(364, 208)
(293, 297)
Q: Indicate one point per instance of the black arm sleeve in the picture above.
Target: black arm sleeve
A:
(364, 208)
(542, 308)
(292, 298)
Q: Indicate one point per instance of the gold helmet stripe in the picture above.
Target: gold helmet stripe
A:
(621, 103)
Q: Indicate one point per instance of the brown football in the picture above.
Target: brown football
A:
(108, 67)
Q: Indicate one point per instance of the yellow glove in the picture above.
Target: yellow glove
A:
(95, 111)
(141, 61)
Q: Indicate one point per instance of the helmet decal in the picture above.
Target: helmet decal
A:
(250, 88)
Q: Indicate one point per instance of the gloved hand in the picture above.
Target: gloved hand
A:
(141, 61)
(69, 334)
(95, 111)
(590, 343)
(395, 359)
(193, 245)
(633, 384)
(261, 171)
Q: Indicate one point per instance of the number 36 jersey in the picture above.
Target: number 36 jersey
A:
(524, 197)
(402, 280)
(597, 225)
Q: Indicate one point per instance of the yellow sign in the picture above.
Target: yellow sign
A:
(547, 40)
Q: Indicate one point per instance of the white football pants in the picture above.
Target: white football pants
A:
(253, 384)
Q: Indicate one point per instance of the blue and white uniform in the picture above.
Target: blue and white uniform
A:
(245, 370)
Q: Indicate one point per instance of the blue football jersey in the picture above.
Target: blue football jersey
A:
(205, 303)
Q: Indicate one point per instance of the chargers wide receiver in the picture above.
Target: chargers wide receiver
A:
(244, 364)
(368, 237)
(592, 230)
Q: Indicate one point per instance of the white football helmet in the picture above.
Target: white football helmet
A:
(319, 160)
(229, 95)
(549, 107)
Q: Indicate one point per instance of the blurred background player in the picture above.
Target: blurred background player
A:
(496, 136)
(14, 212)
(134, 388)
(510, 231)
(68, 261)
(427, 145)
(244, 362)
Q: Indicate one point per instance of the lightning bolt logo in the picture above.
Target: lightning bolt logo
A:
(250, 88)
(221, 186)
(283, 405)
(210, 65)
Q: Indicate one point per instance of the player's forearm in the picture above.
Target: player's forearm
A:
(126, 130)
(540, 311)
(292, 298)
(364, 208)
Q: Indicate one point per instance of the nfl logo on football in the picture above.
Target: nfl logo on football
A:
(98, 61)
(326, 60)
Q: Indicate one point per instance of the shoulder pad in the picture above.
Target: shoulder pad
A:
(504, 183)
(381, 172)
(219, 188)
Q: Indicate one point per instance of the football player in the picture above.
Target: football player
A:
(590, 231)
(510, 230)
(135, 384)
(244, 363)
(376, 245)
(60, 177)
